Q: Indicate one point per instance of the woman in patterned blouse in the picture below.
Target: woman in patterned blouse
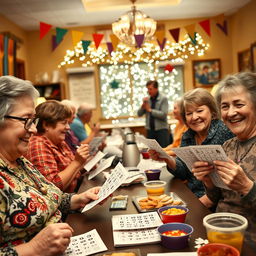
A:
(30, 206)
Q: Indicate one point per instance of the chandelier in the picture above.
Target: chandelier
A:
(132, 23)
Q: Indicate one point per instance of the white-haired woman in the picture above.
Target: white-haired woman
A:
(31, 207)
(236, 96)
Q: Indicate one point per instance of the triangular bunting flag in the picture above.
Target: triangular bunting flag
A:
(220, 18)
(162, 45)
(44, 29)
(110, 47)
(97, 38)
(175, 33)
(54, 42)
(85, 44)
(76, 37)
(139, 39)
(205, 24)
(190, 29)
(223, 27)
(193, 39)
(114, 40)
(160, 35)
(60, 33)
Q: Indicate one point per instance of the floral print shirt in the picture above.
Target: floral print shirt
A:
(24, 209)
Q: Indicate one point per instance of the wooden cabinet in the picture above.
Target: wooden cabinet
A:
(54, 91)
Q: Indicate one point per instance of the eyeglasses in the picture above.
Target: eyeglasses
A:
(28, 121)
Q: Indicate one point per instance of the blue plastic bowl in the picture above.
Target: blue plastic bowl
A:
(175, 242)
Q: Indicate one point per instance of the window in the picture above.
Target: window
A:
(123, 86)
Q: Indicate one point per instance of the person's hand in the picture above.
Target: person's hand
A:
(234, 176)
(82, 154)
(51, 241)
(96, 128)
(80, 200)
(169, 152)
(201, 171)
(155, 155)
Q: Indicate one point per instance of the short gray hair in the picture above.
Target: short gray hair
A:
(84, 109)
(10, 89)
(247, 80)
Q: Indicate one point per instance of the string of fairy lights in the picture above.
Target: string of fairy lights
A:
(127, 97)
(149, 53)
(124, 72)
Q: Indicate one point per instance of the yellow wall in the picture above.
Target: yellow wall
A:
(243, 30)
(8, 26)
(241, 33)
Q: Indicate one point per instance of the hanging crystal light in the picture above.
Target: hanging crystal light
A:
(132, 23)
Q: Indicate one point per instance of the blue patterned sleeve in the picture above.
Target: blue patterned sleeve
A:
(181, 171)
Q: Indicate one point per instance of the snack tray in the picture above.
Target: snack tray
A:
(136, 200)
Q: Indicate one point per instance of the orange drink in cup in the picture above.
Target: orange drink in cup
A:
(155, 188)
(226, 228)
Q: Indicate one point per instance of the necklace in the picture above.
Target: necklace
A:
(242, 156)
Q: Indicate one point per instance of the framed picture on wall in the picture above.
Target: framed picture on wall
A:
(253, 57)
(206, 73)
(244, 60)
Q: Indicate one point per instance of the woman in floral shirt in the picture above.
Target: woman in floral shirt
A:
(30, 206)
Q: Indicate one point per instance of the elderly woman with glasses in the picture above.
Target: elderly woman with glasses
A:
(48, 151)
(31, 207)
(236, 96)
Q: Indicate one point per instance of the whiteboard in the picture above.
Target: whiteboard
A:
(82, 86)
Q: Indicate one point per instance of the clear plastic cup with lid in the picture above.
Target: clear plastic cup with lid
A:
(226, 228)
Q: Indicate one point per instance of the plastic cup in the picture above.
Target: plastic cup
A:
(153, 174)
(155, 188)
(226, 228)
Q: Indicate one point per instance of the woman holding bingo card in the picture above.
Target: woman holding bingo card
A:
(200, 113)
(48, 151)
(31, 208)
(236, 96)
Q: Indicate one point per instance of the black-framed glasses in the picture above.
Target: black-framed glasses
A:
(28, 121)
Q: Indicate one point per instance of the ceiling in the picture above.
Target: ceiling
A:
(72, 13)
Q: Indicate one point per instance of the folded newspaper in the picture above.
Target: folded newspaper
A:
(205, 153)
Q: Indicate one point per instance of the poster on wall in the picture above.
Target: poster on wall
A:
(82, 86)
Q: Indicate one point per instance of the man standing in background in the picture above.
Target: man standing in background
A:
(156, 109)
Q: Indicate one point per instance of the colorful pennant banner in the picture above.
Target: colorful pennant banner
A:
(44, 29)
(175, 33)
(85, 45)
(205, 24)
(139, 40)
(60, 33)
(97, 38)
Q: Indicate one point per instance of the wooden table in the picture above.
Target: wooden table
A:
(99, 217)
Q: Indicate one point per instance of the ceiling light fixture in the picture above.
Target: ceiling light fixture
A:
(132, 23)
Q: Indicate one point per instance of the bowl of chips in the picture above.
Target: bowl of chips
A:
(170, 214)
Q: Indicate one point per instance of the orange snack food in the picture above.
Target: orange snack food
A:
(173, 211)
(175, 233)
